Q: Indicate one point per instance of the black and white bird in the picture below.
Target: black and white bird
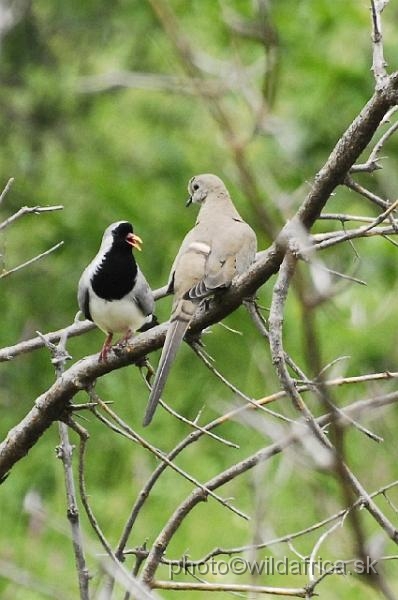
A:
(112, 291)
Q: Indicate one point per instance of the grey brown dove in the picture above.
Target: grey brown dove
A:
(219, 247)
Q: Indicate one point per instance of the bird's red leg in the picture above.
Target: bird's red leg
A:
(106, 347)
(124, 339)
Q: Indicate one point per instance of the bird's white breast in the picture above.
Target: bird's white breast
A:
(116, 316)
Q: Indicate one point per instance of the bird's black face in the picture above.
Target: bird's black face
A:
(123, 234)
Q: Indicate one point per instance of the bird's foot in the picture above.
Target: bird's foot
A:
(106, 348)
(124, 340)
(104, 353)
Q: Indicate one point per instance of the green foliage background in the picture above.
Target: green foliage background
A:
(128, 154)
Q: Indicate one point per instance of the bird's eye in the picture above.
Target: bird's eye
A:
(195, 187)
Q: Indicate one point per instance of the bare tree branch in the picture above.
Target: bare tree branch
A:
(218, 551)
(128, 432)
(28, 210)
(379, 63)
(11, 352)
(117, 569)
(30, 262)
(372, 164)
(360, 189)
(159, 547)
(75, 329)
(64, 452)
(292, 243)
(323, 241)
(6, 189)
(232, 587)
(276, 321)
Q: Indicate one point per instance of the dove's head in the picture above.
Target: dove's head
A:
(200, 186)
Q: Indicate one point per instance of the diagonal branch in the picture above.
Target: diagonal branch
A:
(219, 551)
(232, 588)
(372, 164)
(126, 431)
(31, 261)
(50, 404)
(75, 329)
(6, 189)
(278, 356)
(64, 453)
(161, 543)
(28, 210)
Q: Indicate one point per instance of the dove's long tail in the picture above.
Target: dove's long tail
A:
(174, 337)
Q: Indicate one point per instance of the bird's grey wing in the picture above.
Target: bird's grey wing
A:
(214, 280)
(246, 254)
(232, 252)
(83, 294)
(142, 294)
(187, 241)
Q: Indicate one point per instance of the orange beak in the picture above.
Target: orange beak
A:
(134, 240)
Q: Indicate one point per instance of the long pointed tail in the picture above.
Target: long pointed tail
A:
(173, 340)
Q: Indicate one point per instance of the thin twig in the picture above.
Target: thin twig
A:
(28, 210)
(6, 189)
(74, 329)
(159, 547)
(64, 452)
(344, 218)
(31, 261)
(390, 502)
(360, 189)
(126, 430)
(379, 63)
(84, 498)
(341, 514)
(231, 587)
(141, 592)
(199, 352)
(192, 424)
(152, 81)
(367, 432)
(323, 241)
(276, 321)
(319, 265)
(382, 217)
(317, 545)
(372, 163)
